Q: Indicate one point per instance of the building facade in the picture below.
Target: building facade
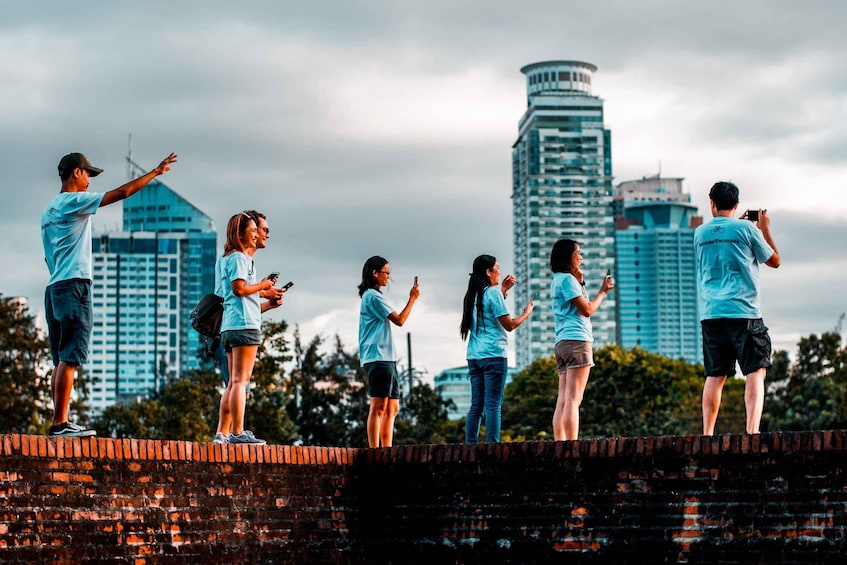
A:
(656, 282)
(561, 188)
(147, 278)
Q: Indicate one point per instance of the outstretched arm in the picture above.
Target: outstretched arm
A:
(133, 186)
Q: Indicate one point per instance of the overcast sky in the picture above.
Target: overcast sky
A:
(371, 127)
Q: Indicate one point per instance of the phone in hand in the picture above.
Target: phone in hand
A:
(608, 272)
(532, 298)
(416, 280)
(273, 277)
(753, 215)
(287, 285)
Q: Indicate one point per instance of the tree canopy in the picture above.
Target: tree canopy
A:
(301, 394)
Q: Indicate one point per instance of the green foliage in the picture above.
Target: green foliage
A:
(265, 413)
(630, 392)
(326, 396)
(185, 409)
(25, 370)
(424, 418)
(529, 401)
(307, 396)
(809, 394)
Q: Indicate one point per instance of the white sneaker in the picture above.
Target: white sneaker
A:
(220, 438)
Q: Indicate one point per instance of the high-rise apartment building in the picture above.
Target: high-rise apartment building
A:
(657, 286)
(561, 187)
(147, 278)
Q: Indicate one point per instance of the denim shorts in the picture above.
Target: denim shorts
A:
(382, 379)
(573, 354)
(727, 340)
(240, 338)
(67, 308)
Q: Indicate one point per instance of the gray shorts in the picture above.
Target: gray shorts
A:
(572, 354)
(67, 308)
(240, 338)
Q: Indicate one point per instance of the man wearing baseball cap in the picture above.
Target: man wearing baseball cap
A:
(66, 235)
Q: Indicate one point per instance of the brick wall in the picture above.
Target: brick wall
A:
(770, 498)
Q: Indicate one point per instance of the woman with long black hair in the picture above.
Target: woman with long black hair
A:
(485, 323)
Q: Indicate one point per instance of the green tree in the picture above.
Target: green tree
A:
(266, 413)
(424, 418)
(529, 401)
(184, 409)
(326, 397)
(630, 393)
(633, 393)
(809, 394)
(25, 370)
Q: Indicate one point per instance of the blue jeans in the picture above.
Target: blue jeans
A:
(488, 377)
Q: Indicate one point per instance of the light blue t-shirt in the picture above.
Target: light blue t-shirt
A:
(240, 312)
(66, 234)
(728, 253)
(488, 339)
(569, 323)
(375, 341)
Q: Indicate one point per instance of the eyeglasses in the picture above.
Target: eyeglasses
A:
(384, 272)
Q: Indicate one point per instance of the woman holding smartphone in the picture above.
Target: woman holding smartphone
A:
(241, 324)
(376, 348)
(572, 312)
(485, 323)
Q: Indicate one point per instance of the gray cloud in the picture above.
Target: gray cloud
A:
(380, 127)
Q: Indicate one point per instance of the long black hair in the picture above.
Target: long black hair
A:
(561, 256)
(375, 263)
(477, 284)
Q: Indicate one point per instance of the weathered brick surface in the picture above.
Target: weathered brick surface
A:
(774, 498)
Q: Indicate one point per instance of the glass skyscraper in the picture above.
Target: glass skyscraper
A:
(657, 286)
(561, 187)
(147, 278)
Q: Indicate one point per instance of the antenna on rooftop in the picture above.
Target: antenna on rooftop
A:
(129, 160)
(132, 169)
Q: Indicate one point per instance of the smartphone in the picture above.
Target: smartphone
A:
(273, 276)
(753, 215)
(532, 298)
(416, 280)
(287, 285)
(608, 272)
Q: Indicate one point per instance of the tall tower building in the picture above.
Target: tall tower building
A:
(561, 187)
(147, 278)
(657, 286)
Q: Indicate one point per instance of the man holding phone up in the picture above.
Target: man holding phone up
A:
(728, 253)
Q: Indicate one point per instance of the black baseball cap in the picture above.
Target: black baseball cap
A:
(73, 161)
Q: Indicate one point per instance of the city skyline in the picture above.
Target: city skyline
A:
(377, 128)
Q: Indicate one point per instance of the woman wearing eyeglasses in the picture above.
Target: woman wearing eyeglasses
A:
(485, 323)
(376, 349)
